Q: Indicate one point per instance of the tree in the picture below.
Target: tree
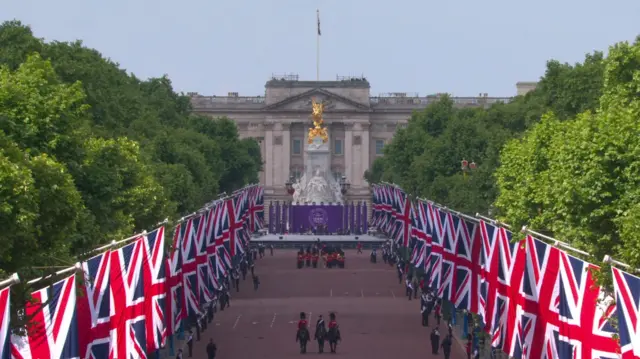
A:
(578, 179)
(424, 158)
(89, 153)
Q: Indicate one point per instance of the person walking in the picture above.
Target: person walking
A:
(446, 346)
(211, 349)
(190, 343)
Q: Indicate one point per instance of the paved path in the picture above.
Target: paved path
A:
(376, 319)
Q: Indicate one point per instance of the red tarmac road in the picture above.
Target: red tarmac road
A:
(376, 319)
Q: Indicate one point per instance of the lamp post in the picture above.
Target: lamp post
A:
(289, 186)
(344, 185)
(468, 167)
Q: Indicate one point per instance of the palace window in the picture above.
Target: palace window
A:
(296, 172)
(296, 146)
(337, 147)
(337, 174)
(379, 147)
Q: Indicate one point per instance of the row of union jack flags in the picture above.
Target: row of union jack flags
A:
(133, 297)
(536, 300)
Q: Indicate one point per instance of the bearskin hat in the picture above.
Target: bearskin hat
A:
(302, 315)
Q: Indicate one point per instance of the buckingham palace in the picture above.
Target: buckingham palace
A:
(359, 124)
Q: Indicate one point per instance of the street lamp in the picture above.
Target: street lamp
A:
(344, 185)
(289, 186)
(467, 167)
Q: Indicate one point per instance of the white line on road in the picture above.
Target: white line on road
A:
(274, 319)
(237, 320)
(310, 317)
(362, 293)
(331, 292)
(392, 293)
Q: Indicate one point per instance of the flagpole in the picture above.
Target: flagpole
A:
(318, 48)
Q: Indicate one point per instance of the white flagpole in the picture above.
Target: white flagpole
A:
(318, 48)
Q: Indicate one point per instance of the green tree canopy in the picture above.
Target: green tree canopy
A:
(89, 153)
(425, 157)
(579, 179)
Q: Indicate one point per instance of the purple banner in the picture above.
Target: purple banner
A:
(305, 218)
(365, 216)
(358, 216)
(278, 223)
(272, 218)
(352, 220)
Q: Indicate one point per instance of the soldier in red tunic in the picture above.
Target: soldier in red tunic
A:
(300, 259)
(302, 334)
(334, 332)
(314, 259)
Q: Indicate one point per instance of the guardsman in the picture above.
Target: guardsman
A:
(340, 259)
(300, 259)
(307, 257)
(435, 341)
(359, 247)
(314, 259)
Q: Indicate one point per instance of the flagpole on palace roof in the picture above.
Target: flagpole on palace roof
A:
(318, 48)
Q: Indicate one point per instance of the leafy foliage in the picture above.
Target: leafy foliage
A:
(579, 179)
(89, 153)
(425, 157)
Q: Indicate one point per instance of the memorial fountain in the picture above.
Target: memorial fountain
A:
(317, 184)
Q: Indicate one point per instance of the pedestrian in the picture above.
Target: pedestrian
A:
(425, 315)
(446, 346)
(190, 343)
(271, 249)
(179, 356)
(256, 282)
(252, 267)
(236, 277)
(435, 340)
(437, 311)
(211, 349)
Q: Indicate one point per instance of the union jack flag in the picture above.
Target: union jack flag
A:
(5, 343)
(203, 286)
(375, 205)
(221, 233)
(403, 217)
(535, 319)
(585, 330)
(433, 265)
(189, 250)
(212, 250)
(420, 234)
(468, 266)
(128, 328)
(94, 308)
(175, 290)
(627, 291)
(257, 208)
(234, 218)
(504, 264)
(449, 260)
(155, 288)
(54, 329)
(387, 220)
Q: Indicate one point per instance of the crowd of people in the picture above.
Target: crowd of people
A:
(430, 304)
(310, 256)
(322, 333)
(241, 269)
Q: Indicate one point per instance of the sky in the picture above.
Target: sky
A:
(213, 47)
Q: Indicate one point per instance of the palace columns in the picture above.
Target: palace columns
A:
(277, 154)
(348, 151)
(268, 158)
(285, 155)
(364, 160)
(356, 152)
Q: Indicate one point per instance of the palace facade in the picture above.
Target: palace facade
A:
(358, 123)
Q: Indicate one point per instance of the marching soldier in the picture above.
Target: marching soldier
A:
(315, 258)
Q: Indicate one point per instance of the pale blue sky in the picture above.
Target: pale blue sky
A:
(212, 47)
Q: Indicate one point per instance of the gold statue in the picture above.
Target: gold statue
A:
(316, 115)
